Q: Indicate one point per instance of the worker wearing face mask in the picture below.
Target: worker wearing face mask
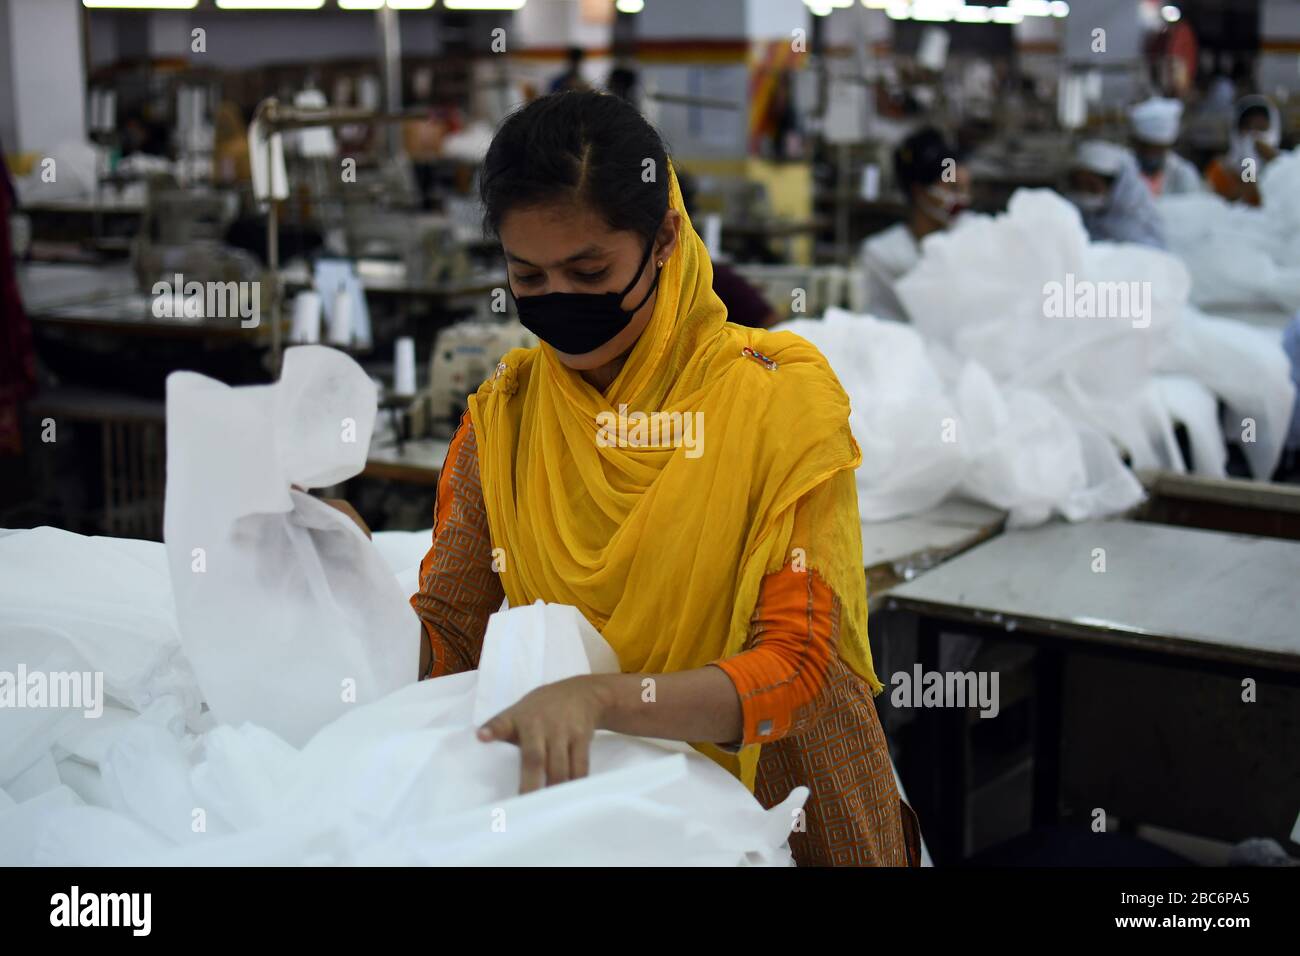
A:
(1116, 205)
(937, 188)
(1255, 141)
(1154, 125)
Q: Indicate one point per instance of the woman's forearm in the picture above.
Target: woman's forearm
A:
(699, 705)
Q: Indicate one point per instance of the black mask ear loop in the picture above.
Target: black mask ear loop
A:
(637, 278)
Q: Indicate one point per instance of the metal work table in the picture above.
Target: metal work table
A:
(44, 285)
(1206, 595)
(417, 462)
(107, 298)
(396, 283)
(898, 550)
(1194, 601)
(132, 313)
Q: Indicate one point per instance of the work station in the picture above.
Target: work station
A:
(743, 432)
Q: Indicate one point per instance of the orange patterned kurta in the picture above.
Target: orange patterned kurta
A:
(814, 717)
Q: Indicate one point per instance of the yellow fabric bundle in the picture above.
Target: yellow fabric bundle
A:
(663, 549)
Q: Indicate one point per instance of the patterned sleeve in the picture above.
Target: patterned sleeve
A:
(458, 588)
(782, 673)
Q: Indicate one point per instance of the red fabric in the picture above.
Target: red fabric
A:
(17, 354)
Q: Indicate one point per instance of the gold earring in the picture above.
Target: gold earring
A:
(661, 263)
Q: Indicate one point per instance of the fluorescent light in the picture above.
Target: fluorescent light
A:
(141, 4)
(1031, 8)
(629, 6)
(931, 12)
(818, 8)
(270, 4)
(410, 4)
(1060, 8)
(973, 15)
(875, 4)
(483, 4)
(898, 9)
(1171, 13)
(1006, 15)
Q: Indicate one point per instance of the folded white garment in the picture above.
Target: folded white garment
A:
(403, 780)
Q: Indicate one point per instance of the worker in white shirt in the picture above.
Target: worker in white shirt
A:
(1104, 183)
(937, 188)
(1154, 125)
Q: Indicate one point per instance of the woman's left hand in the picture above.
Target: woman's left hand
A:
(552, 726)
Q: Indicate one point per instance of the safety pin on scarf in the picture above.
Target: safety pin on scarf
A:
(757, 356)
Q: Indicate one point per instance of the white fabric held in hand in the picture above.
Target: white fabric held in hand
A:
(286, 612)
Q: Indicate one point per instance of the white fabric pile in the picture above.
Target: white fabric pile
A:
(265, 709)
(1034, 361)
(926, 434)
(1240, 255)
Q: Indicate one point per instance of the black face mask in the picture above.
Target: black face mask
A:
(576, 323)
(1150, 164)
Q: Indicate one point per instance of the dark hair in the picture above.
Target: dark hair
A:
(1255, 109)
(581, 146)
(919, 159)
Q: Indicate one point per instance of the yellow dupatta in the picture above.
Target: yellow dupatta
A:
(663, 549)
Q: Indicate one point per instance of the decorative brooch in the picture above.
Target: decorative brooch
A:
(504, 380)
(757, 356)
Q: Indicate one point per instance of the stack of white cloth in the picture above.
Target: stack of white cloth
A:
(1036, 363)
(250, 692)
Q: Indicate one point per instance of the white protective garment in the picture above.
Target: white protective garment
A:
(927, 434)
(318, 619)
(1156, 120)
(401, 781)
(280, 767)
(1180, 178)
(1128, 213)
(982, 291)
(1240, 255)
(885, 258)
(992, 395)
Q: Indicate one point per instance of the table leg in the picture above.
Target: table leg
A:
(944, 738)
(1048, 703)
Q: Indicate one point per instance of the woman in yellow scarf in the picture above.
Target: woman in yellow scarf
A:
(686, 483)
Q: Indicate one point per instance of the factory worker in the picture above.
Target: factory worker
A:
(1255, 141)
(1116, 205)
(721, 561)
(1154, 125)
(937, 189)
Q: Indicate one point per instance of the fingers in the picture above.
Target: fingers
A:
(579, 756)
(557, 762)
(500, 727)
(532, 762)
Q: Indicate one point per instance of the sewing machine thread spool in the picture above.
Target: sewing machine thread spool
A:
(404, 366)
(340, 324)
(306, 318)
